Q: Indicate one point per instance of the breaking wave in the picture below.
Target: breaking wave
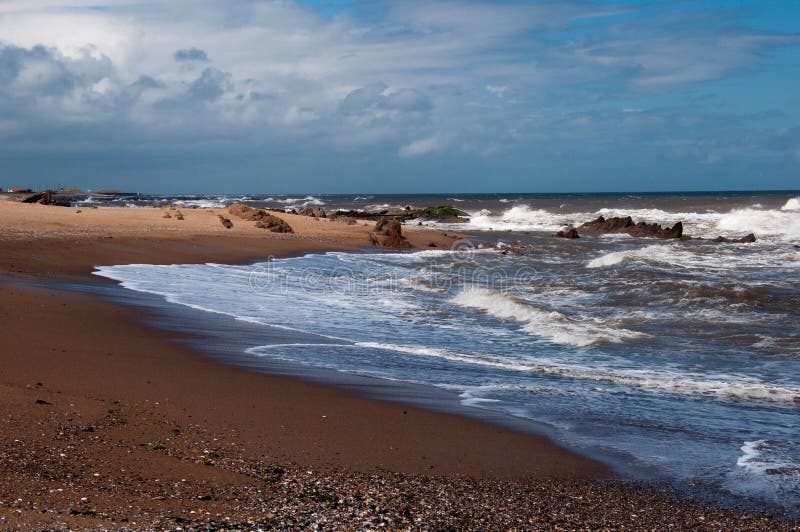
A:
(302, 202)
(783, 223)
(519, 218)
(724, 387)
(763, 222)
(793, 204)
(551, 325)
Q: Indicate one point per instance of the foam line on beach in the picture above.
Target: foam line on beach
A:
(721, 387)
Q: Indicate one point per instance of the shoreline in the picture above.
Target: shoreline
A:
(126, 405)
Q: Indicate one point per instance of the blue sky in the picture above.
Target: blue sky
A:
(405, 96)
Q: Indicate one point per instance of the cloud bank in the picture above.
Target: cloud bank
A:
(537, 93)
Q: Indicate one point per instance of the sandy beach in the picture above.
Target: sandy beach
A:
(110, 424)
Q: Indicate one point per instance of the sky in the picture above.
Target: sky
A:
(347, 96)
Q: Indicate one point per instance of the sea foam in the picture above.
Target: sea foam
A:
(779, 224)
(793, 204)
(551, 325)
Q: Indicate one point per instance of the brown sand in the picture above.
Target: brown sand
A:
(60, 241)
(107, 423)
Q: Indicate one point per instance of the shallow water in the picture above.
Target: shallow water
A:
(675, 360)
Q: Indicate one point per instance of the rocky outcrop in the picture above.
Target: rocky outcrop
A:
(626, 225)
(570, 232)
(749, 239)
(246, 212)
(274, 224)
(316, 212)
(263, 219)
(44, 197)
(441, 214)
(654, 230)
(389, 233)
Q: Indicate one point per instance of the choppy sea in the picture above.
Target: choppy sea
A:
(671, 360)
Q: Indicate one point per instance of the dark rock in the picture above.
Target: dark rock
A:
(263, 219)
(44, 197)
(316, 212)
(389, 234)
(225, 221)
(394, 236)
(749, 239)
(612, 225)
(443, 214)
(381, 225)
(625, 225)
(274, 224)
(568, 233)
(247, 213)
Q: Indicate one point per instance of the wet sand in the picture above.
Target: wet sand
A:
(110, 424)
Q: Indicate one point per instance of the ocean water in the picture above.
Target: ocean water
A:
(678, 361)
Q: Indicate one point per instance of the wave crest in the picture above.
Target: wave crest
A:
(792, 204)
(551, 325)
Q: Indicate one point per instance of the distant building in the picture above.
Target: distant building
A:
(17, 190)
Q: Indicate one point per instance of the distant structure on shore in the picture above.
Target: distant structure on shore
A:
(18, 190)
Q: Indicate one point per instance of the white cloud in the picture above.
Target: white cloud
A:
(421, 147)
(178, 71)
(497, 90)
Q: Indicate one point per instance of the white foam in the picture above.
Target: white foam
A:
(200, 204)
(718, 386)
(792, 204)
(228, 292)
(661, 216)
(551, 325)
(751, 450)
(724, 258)
(762, 222)
(386, 207)
(770, 469)
(777, 224)
(668, 254)
(518, 218)
(303, 202)
(416, 283)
